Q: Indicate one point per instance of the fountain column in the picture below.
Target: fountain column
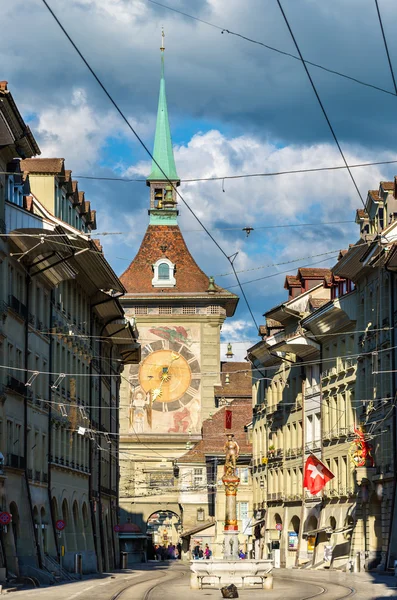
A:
(231, 482)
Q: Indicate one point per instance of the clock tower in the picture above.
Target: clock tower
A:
(179, 312)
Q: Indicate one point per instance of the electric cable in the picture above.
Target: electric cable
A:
(386, 47)
(151, 156)
(230, 177)
(320, 102)
(284, 53)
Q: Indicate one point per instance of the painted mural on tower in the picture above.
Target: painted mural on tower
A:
(164, 389)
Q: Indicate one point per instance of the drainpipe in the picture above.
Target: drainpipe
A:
(49, 433)
(394, 416)
(91, 463)
(101, 532)
(111, 372)
(25, 419)
(303, 377)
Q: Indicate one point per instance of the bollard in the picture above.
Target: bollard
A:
(78, 565)
(124, 560)
(268, 583)
(357, 563)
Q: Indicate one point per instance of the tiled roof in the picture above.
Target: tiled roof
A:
(361, 213)
(292, 281)
(137, 278)
(43, 165)
(374, 194)
(315, 273)
(273, 324)
(387, 185)
(214, 435)
(240, 380)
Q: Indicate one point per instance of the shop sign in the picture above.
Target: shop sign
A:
(292, 540)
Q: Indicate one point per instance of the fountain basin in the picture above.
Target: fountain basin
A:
(217, 573)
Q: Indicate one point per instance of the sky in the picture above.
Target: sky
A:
(235, 107)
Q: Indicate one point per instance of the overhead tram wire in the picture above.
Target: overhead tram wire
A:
(386, 46)
(320, 102)
(229, 177)
(151, 156)
(273, 49)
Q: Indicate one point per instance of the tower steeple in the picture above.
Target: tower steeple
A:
(162, 152)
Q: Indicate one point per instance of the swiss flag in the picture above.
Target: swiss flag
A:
(316, 475)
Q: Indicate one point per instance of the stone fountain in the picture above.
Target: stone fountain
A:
(244, 573)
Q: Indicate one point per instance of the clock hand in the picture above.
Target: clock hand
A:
(156, 393)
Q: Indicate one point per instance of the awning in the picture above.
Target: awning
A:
(197, 530)
(316, 531)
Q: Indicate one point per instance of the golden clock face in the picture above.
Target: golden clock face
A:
(166, 375)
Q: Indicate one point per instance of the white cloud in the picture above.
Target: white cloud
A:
(75, 131)
(238, 332)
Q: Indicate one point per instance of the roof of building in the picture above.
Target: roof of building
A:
(137, 278)
(387, 185)
(313, 273)
(43, 165)
(13, 129)
(361, 213)
(214, 433)
(163, 153)
(240, 380)
(375, 195)
(292, 281)
(317, 302)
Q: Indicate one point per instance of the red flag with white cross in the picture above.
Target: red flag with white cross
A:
(228, 418)
(316, 475)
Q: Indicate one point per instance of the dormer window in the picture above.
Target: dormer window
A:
(163, 273)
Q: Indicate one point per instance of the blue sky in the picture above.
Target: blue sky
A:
(235, 107)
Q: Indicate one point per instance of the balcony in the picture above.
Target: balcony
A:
(16, 385)
(18, 307)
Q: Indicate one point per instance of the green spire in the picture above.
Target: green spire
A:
(163, 153)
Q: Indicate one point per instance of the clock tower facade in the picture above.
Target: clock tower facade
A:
(179, 312)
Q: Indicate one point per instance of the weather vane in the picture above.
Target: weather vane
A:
(162, 48)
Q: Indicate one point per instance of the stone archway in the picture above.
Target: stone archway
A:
(164, 526)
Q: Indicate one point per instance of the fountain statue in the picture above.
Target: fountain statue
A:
(247, 573)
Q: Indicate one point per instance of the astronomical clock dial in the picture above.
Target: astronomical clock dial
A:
(169, 374)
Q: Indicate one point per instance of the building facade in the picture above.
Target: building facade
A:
(64, 343)
(179, 313)
(338, 335)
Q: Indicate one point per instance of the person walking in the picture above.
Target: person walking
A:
(207, 552)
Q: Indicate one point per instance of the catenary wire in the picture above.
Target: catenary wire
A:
(320, 102)
(229, 177)
(386, 47)
(153, 159)
(284, 53)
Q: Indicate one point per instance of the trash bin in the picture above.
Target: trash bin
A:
(78, 564)
(124, 560)
(357, 563)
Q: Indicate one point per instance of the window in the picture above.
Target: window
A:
(198, 477)
(164, 271)
(242, 511)
(165, 310)
(188, 310)
(243, 474)
(141, 310)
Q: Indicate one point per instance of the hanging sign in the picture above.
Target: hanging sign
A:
(5, 518)
(60, 525)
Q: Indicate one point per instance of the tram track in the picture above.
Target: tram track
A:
(163, 576)
(324, 590)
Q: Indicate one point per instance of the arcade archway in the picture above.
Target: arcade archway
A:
(164, 527)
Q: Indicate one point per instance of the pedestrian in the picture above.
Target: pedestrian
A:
(201, 553)
(196, 551)
(207, 552)
(241, 554)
